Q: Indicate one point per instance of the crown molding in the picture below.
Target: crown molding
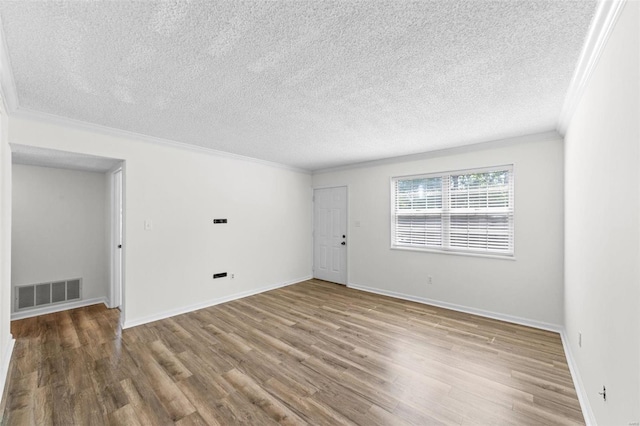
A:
(606, 15)
(25, 113)
(9, 99)
(604, 20)
(478, 146)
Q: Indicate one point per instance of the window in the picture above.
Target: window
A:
(467, 211)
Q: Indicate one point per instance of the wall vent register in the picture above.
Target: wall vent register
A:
(37, 295)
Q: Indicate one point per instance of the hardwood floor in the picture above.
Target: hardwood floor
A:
(314, 352)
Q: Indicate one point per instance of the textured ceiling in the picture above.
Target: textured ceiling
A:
(311, 84)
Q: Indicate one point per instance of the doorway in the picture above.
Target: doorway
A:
(82, 196)
(330, 234)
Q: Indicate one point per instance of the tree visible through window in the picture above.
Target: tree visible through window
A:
(469, 211)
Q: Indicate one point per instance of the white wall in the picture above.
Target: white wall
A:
(602, 281)
(528, 288)
(59, 228)
(6, 340)
(169, 268)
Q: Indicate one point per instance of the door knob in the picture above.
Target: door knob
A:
(343, 243)
(119, 245)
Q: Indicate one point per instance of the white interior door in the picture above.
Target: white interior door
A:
(330, 234)
(117, 239)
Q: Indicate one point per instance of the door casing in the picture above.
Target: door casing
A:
(117, 238)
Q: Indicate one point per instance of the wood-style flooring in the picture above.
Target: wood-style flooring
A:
(311, 353)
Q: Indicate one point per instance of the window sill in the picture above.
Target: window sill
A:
(456, 253)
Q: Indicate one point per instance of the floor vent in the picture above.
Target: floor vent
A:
(36, 295)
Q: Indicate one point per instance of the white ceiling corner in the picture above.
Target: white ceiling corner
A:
(550, 135)
(111, 131)
(604, 19)
(307, 84)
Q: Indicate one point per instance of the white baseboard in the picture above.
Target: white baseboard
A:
(208, 303)
(585, 406)
(460, 308)
(58, 308)
(4, 367)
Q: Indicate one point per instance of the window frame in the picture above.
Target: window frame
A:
(447, 215)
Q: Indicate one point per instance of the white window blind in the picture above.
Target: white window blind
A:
(466, 211)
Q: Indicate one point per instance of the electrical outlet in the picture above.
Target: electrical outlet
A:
(580, 339)
(233, 276)
(429, 280)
